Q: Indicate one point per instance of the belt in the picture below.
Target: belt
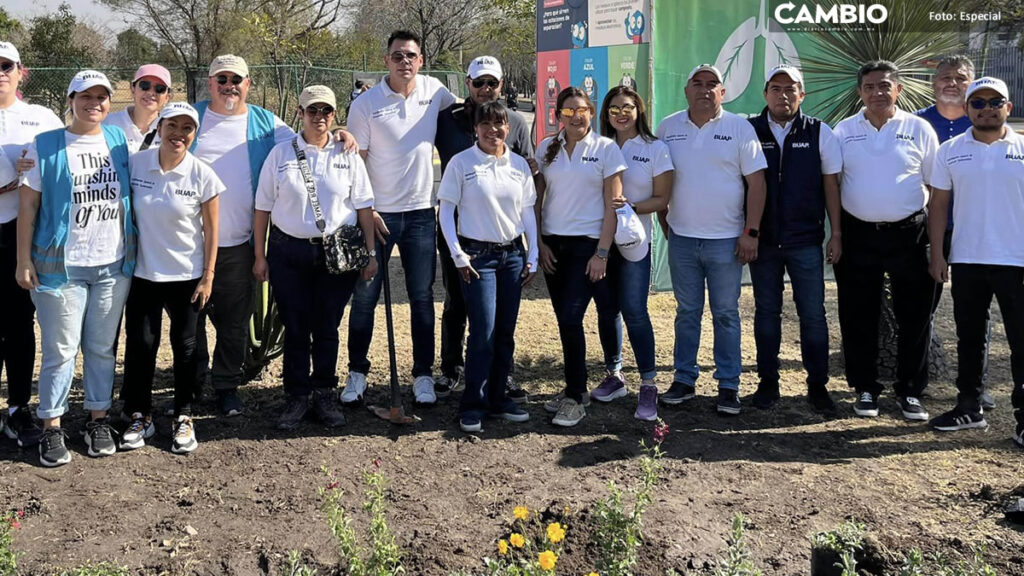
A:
(491, 246)
(313, 240)
(913, 219)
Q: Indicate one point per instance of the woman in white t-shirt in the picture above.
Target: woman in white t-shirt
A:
(76, 253)
(492, 189)
(580, 191)
(647, 186)
(151, 90)
(176, 200)
(19, 124)
(310, 299)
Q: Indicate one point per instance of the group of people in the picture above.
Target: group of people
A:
(171, 207)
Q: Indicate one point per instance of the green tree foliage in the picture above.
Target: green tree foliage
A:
(133, 48)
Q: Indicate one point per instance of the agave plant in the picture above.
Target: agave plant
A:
(266, 333)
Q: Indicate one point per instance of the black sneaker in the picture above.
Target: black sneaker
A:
(510, 411)
(515, 391)
(728, 402)
(679, 393)
(295, 409)
(23, 427)
(766, 396)
(229, 403)
(326, 409)
(821, 400)
(52, 450)
(912, 408)
(99, 437)
(444, 385)
(866, 405)
(987, 401)
(958, 419)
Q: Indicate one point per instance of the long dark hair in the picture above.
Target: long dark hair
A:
(642, 124)
(570, 92)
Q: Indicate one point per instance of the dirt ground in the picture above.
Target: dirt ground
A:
(249, 494)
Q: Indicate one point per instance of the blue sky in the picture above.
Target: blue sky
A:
(85, 10)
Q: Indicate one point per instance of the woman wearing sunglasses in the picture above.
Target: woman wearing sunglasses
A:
(307, 182)
(581, 188)
(151, 90)
(647, 186)
(492, 189)
(76, 253)
(176, 208)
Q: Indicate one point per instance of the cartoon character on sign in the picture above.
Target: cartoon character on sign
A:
(736, 58)
(550, 101)
(579, 34)
(590, 88)
(628, 81)
(635, 27)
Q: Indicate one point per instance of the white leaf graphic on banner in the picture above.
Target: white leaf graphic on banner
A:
(779, 48)
(736, 59)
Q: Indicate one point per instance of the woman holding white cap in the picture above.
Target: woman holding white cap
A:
(19, 124)
(176, 204)
(581, 189)
(492, 189)
(76, 253)
(151, 90)
(647, 186)
(310, 187)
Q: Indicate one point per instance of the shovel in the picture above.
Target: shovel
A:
(395, 413)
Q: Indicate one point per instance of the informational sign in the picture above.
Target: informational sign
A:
(614, 22)
(552, 77)
(562, 24)
(629, 65)
(588, 71)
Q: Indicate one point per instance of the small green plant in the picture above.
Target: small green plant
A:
(100, 569)
(916, 563)
(737, 561)
(848, 562)
(384, 557)
(294, 566)
(848, 537)
(9, 522)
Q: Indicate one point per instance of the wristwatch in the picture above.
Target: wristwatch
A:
(373, 253)
(602, 253)
(752, 232)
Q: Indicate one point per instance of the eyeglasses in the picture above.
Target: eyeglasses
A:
(324, 110)
(570, 112)
(480, 83)
(624, 109)
(399, 56)
(145, 85)
(8, 67)
(223, 79)
(995, 103)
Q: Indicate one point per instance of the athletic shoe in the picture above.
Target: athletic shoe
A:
(959, 419)
(552, 405)
(99, 437)
(23, 427)
(52, 450)
(866, 405)
(611, 387)
(987, 401)
(355, 387)
(470, 423)
(647, 403)
(326, 409)
(912, 408)
(515, 391)
(184, 436)
(766, 396)
(679, 393)
(510, 411)
(445, 385)
(728, 402)
(140, 429)
(295, 409)
(570, 412)
(423, 390)
(821, 400)
(1018, 436)
(229, 403)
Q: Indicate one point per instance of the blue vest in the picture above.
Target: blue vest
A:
(259, 138)
(794, 210)
(54, 217)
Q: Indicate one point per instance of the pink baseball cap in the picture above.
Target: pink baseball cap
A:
(154, 70)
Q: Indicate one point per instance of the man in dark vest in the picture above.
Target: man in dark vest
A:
(804, 160)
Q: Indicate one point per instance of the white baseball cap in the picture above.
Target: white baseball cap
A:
(87, 79)
(173, 109)
(989, 83)
(229, 63)
(705, 68)
(630, 235)
(484, 66)
(7, 50)
(791, 71)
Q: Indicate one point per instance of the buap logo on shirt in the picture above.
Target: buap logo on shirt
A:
(1012, 156)
(722, 137)
(641, 159)
(186, 193)
(801, 144)
(905, 137)
(589, 159)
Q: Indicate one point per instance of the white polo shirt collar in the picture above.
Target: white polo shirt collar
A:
(484, 157)
(183, 168)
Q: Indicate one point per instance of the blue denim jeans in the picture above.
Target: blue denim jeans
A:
(692, 261)
(492, 303)
(414, 234)
(805, 266)
(90, 304)
(632, 283)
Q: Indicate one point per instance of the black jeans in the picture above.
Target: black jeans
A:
(17, 335)
(947, 242)
(869, 251)
(229, 309)
(147, 301)
(453, 316)
(974, 285)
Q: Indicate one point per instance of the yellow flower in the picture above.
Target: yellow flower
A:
(556, 533)
(502, 547)
(517, 540)
(547, 560)
(520, 512)
(593, 574)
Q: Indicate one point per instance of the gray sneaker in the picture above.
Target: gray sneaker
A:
(552, 406)
(99, 437)
(326, 409)
(184, 440)
(569, 413)
(52, 450)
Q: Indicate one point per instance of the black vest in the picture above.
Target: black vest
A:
(794, 210)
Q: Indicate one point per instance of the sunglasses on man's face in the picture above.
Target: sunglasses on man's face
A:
(399, 56)
(480, 83)
(314, 110)
(145, 86)
(980, 103)
(223, 79)
(8, 67)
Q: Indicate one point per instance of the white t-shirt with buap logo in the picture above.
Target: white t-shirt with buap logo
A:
(19, 124)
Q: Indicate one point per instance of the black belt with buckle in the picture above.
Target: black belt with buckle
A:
(911, 220)
(469, 243)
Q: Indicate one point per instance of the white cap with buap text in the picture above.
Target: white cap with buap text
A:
(705, 68)
(790, 71)
(484, 66)
(173, 109)
(630, 235)
(989, 83)
(87, 79)
(8, 51)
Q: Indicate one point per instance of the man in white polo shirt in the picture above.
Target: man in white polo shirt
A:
(395, 123)
(887, 164)
(985, 166)
(710, 237)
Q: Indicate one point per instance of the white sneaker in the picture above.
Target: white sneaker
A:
(355, 387)
(140, 429)
(423, 389)
(184, 436)
(552, 405)
(569, 413)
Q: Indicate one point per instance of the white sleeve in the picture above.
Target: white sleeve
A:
(282, 131)
(530, 230)
(828, 149)
(662, 159)
(212, 185)
(450, 188)
(447, 217)
(931, 144)
(447, 98)
(362, 192)
(32, 178)
(941, 178)
(266, 190)
(751, 155)
(614, 161)
(50, 121)
(359, 121)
